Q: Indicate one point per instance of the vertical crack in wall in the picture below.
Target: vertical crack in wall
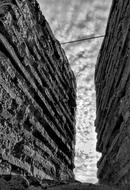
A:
(70, 21)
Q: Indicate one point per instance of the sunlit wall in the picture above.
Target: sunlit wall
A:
(70, 20)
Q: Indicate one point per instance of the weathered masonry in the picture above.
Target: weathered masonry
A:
(37, 96)
(112, 80)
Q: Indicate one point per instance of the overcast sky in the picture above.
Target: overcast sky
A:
(70, 20)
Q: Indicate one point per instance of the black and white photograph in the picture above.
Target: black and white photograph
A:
(64, 94)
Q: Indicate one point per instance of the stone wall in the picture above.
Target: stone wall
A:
(112, 80)
(37, 96)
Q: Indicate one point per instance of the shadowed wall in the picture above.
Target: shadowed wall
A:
(112, 79)
(37, 96)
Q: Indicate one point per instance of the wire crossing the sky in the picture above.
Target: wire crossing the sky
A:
(82, 39)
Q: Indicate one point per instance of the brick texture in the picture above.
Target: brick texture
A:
(112, 80)
(37, 96)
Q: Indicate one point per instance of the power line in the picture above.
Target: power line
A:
(82, 39)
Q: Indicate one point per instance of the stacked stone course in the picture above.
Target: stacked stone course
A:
(112, 80)
(37, 96)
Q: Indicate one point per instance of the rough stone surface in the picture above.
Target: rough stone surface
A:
(112, 80)
(21, 183)
(37, 97)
